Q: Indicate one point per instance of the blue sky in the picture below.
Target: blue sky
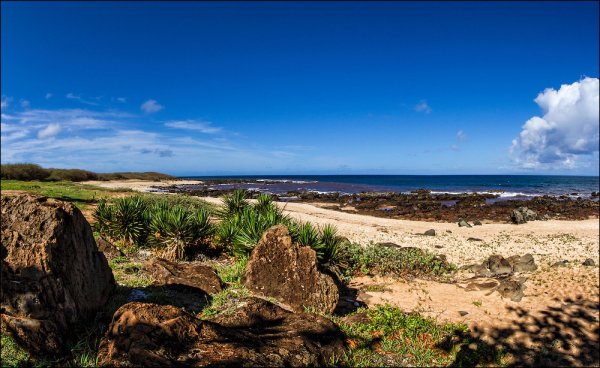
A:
(302, 88)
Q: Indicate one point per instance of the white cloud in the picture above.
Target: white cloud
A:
(72, 96)
(48, 96)
(460, 135)
(48, 132)
(5, 102)
(151, 106)
(25, 104)
(201, 126)
(121, 99)
(566, 136)
(423, 107)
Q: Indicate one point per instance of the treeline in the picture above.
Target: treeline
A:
(36, 172)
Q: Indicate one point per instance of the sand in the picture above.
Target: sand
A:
(548, 241)
(138, 185)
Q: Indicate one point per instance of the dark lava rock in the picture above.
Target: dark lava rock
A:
(463, 313)
(193, 274)
(430, 232)
(463, 223)
(474, 239)
(589, 262)
(109, 249)
(477, 223)
(256, 333)
(523, 214)
(289, 273)
(53, 275)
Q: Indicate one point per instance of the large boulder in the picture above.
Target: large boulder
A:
(193, 275)
(523, 214)
(53, 275)
(280, 269)
(524, 263)
(257, 333)
(109, 249)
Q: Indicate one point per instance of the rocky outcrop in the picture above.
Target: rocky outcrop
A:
(523, 214)
(257, 333)
(193, 275)
(53, 275)
(280, 269)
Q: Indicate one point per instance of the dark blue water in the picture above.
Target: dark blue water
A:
(508, 185)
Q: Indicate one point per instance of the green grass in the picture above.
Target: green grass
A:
(232, 274)
(225, 302)
(129, 273)
(389, 337)
(80, 194)
(12, 354)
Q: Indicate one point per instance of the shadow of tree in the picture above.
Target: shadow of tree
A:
(556, 336)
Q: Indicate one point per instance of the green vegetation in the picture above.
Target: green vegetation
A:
(12, 354)
(169, 228)
(387, 336)
(29, 172)
(375, 259)
(129, 273)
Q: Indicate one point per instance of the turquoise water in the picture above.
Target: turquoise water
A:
(510, 185)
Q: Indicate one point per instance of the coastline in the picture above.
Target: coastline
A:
(548, 241)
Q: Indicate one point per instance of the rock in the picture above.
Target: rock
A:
(53, 275)
(390, 245)
(289, 273)
(525, 263)
(430, 232)
(523, 214)
(438, 246)
(562, 263)
(256, 333)
(480, 270)
(482, 285)
(589, 262)
(474, 239)
(193, 274)
(517, 217)
(477, 223)
(449, 231)
(463, 313)
(511, 289)
(463, 223)
(595, 194)
(498, 265)
(110, 251)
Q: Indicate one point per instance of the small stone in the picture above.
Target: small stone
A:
(463, 223)
(562, 263)
(430, 232)
(474, 239)
(463, 313)
(477, 223)
(438, 246)
(589, 262)
(449, 231)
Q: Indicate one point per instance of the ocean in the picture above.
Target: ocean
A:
(507, 186)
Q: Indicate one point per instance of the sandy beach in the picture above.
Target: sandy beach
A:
(138, 185)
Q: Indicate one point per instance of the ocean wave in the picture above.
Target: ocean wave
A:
(287, 181)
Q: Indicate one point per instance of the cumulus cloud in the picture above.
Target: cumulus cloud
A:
(201, 126)
(48, 96)
(566, 136)
(25, 104)
(151, 106)
(48, 132)
(121, 99)
(423, 107)
(460, 135)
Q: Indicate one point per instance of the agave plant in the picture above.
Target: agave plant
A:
(175, 230)
(234, 203)
(202, 226)
(332, 249)
(264, 203)
(226, 233)
(104, 216)
(129, 222)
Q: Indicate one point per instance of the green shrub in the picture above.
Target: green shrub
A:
(23, 172)
(234, 203)
(380, 260)
(104, 216)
